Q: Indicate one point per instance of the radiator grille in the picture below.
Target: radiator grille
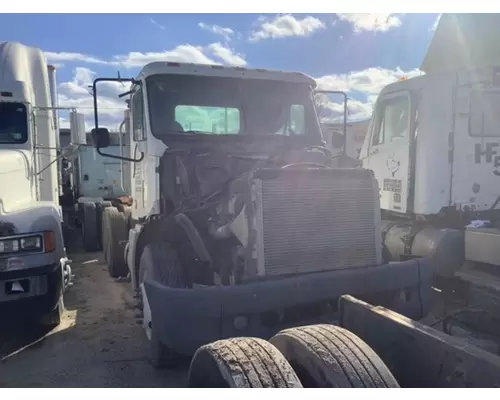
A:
(319, 220)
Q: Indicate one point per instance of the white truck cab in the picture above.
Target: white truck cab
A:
(34, 269)
(434, 146)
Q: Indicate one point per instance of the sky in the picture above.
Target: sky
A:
(357, 53)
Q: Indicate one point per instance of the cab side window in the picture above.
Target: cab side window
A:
(138, 133)
(392, 120)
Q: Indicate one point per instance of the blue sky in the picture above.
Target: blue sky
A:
(374, 49)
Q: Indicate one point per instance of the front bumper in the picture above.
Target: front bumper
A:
(185, 319)
(42, 294)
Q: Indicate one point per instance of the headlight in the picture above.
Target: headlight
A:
(31, 243)
(9, 246)
(21, 244)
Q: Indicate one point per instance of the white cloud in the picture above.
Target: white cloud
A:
(218, 30)
(183, 53)
(285, 26)
(368, 82)
(371, 22)
(68, 57)
(227, 55)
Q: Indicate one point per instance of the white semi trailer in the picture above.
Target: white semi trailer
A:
(34, 268)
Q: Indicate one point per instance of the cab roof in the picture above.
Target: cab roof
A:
(177, 68)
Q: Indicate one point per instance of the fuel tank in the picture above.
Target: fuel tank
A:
(444, 247)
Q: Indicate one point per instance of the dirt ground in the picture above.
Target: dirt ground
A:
(98, 344)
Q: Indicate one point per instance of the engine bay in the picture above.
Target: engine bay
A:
(219, 191)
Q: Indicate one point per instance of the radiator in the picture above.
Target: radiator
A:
(315, 220)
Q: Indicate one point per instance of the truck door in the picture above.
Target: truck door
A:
(389, 150)
(475, 181)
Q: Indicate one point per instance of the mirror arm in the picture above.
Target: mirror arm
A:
(120, 157)
(96, 117)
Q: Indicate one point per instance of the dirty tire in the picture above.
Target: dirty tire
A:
(100, 207)
(53, 318)
(329, 356)
(241, 362)
(104, 228)
(90, 237)
(116, 235)
(159, 262)
(105, 233)
(127, 211)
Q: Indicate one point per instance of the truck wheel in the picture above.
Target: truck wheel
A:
(104, 228)
(127, 211)
(100, 206)
(116, 235)
(241, 363)
(89, 228)
(330, 356)
(53, 318)
(159, 262)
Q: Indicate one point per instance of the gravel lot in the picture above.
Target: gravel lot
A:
(98, 344)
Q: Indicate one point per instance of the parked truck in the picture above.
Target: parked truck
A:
(432, 145)
(239, 224)
(93, 183)
(34, 268)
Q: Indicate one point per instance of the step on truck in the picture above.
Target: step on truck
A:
(34, 268)
(240, 226)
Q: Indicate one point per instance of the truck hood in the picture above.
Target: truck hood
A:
(16, 191)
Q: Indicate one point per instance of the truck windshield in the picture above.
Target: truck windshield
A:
(213, 105)
(13, 123)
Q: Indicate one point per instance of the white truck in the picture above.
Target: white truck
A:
(34, 268)
(355, 136)
(433, 145)
(239, 224)
(92, 183)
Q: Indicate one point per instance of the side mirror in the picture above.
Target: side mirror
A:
(100, 137)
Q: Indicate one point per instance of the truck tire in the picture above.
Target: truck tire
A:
(329, 356)
(105, 233)
(116, 235)
(104, 230)
(127, 211)
(53, 318)
(89, 227)
(100, 206)
(241, 362)
(159, 262)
